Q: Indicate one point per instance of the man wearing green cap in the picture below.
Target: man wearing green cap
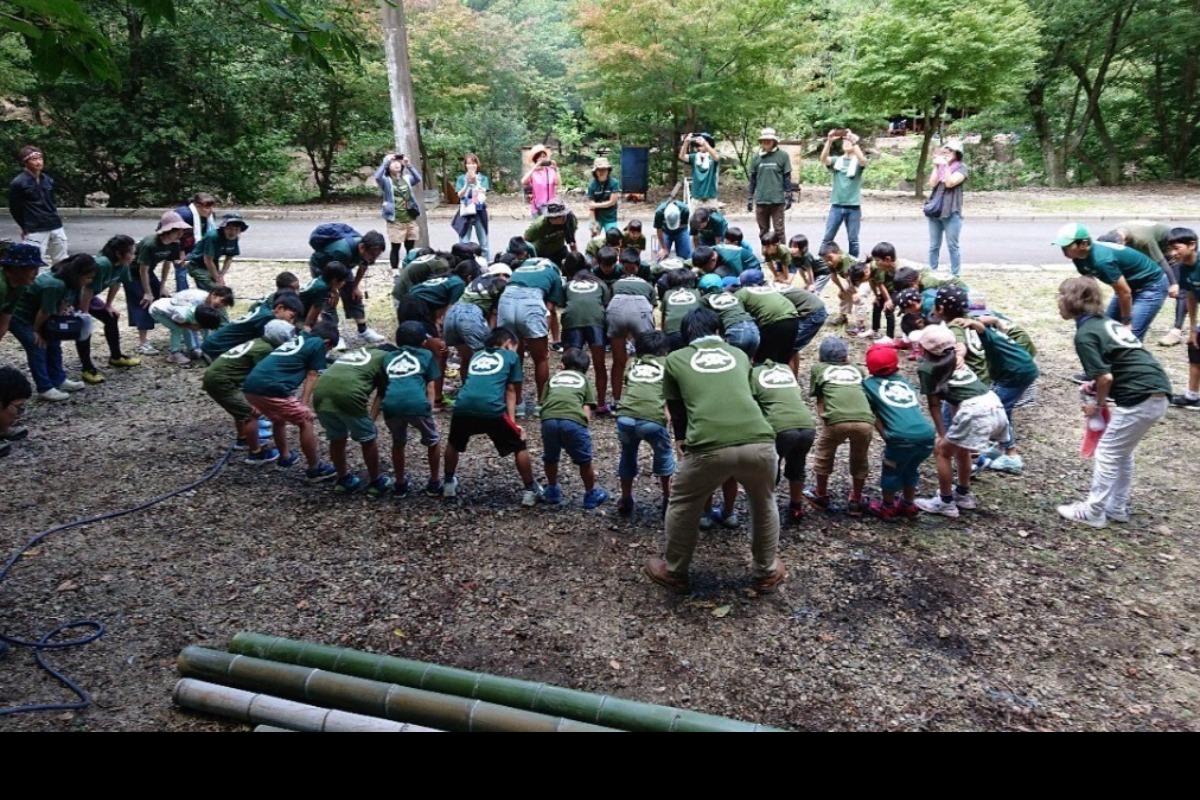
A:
(1139, 285)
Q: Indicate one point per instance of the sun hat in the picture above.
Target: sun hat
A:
(21, 255)
(954, 144)
(934, 339)
(233, 218)
(500, 269)
(882, 359)
(554, 210)
(536, 150)
(170, 221)
(601, 163)
(1071, 232)
(768, 133)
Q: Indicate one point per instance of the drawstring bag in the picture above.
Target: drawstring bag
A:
(933, 206)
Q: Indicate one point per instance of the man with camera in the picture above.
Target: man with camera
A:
(697, 150)
(845, 202)
(770, 185)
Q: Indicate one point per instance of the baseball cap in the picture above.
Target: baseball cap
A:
(278, 331)
(934, 339)
(710, 283)
(500, 269)
(1071, 232)
(882, 359)
(833, 349)
(751, 277)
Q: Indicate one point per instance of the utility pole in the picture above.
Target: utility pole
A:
(404, 116)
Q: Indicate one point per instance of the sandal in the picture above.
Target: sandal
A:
(821, 501)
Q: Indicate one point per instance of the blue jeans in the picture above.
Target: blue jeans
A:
(951, 226)
(45, 363)
(1009, 395)
(479, 225)
(630, 433)
(680, 240)
(181, 276)
(744, 336)
(565, 434)
(852, 216)
(1146, 303)
(809, 326)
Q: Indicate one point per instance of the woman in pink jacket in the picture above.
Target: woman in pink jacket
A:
(542, 179)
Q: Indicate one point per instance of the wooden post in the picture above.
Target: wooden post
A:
(404, 115)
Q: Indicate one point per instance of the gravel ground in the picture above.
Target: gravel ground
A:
(1006, 619)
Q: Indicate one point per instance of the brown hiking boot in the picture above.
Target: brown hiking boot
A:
(656, 570)
(770, 582)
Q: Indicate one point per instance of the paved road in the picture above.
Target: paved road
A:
(983, 241)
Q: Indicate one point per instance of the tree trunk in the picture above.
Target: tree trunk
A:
(923, 159)
(404, 115)
(1056, 176)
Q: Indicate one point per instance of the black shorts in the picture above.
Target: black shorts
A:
(500, 429)
(777, 341)
(792, 446)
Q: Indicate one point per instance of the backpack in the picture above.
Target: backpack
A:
(327, 233)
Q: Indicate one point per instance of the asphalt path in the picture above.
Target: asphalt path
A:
(983, 241)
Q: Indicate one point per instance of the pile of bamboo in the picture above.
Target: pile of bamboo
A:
(286, 685)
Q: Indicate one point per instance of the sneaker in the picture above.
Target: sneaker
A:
(625, 506)
(287, 461)
(907, 510)
(322, 472)
(92, 376)
(718, 516)
(433, 488)
(821, 501)
(795, 513)
(556, 347)
(265, 455)
(552, 494)
(855, 508)
(1014, 465)
(380, 486)
(603, 410)
(1080, 512)
(402, 487)
(148, 349)
(706, 522)
(53, 396)
(450, 487)
(992, 453)
(371, 337)
(594, 498)
(530, 497)
(341, 346)
(178, 358)
(1120, 515)
(1182, 401)
(71, 386)
(124, 361)
(240, 444)
(887, 513)
(965, 502)
(1173, 337)
(866, 334)
(195, 354)
(346, 485)
(935, 505)
(1080, 378)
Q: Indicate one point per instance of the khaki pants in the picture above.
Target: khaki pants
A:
(699, 475)
(830, 439)
(767, 215)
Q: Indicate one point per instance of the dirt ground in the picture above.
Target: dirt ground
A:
(1007, 619)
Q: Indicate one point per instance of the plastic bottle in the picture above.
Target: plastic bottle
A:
(1096, 424)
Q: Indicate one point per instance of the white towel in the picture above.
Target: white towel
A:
(197, 222)
(846, 164)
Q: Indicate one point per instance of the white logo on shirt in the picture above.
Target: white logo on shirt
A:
(778, 377)
(536, 265)
(289, 348)
(486, 364)
(761, 290)
(435, 281)
(722, 302)
(712, 361)
(646, 372)
(974, 345)
(1121, 335)
(244, 318)
(568, 380)
(842, 375)
(682, 298)
(963, 376)
(403, 365)
(897, 394)
(583, 287)
(239, 351)
(355, 358)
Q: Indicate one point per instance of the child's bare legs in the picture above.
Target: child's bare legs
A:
(600, 366)
(555, 334)
(551, 472)
(729, 491)
(910, 494)
(434, 452)
(279, 434)
(943, 455)
(539, 351)
(587, 475)
(438, 348)
(524, 468)
(665, 483)
(452, 461)
(626, 489)
(856, 489)
(464, 359)
(398, 462)
(822, 489)
(796, 492)
(619, 357)
(370, 451)
(337, 454)
(308, 444)
(248, 430)
(963, 458)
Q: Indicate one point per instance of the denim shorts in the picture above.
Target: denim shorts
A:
(631, 433)
(628, 315)
(902, 464)
(744, 336)
(464, 325)
(425, 426)
(523, 311)
(588, 335)
(565, 434)
(342, 426)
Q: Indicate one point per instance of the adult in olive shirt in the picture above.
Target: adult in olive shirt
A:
(707, 388)
(770, 184)
(1150, 239)
(1139, 285)
(603, 194)
(552, 235)
(845, 201)
(1121, 370)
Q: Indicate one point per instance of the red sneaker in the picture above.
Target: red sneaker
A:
(888, 512)
(907, 510)
(795, 513)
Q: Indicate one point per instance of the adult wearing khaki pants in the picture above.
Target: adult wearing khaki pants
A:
(770, 185)
(707, 388)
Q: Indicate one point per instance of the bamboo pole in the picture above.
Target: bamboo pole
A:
(606, 710)
(362, 696)
(264, 708)
(272, 729)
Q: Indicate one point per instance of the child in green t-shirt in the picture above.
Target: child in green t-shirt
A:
(567, 404)
(634, 237)
(642, 417)
(411, 374)
(847, 415)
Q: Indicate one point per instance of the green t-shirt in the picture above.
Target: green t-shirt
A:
(345, 386)
(601, 193)
(565, 395)
(1189, 278)
(540, 274)
(232, 366)
(418, 271)
(242, 329)
(344, 251)
(728, 307)
(1022, 337)
(1110, 262)
(216, 246)
(488, 376)
(408, 371)
(643, 395)
(770, 170)
(283, 369)
(840, 387)
(779, 261)
(976, 356)
(963, 384)
(713, 230)
(632, 284)
(841, 266)
(586, 301)
(439, 292)
(766, 304)
(928, 280)
(806, 302)
(47, 293)
(484, 292)
(897, 406)
(705, 171)
(778, 394)
(712, 379)
(315, 293)
(1107, 346)
(109, 275)
(847, 190)
(1009, 363)
(676, 305)
(9, 295)
(548, 238)
(151, 252)
(883, 277)
(735, 259)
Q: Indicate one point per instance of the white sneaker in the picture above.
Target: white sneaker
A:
(867, 334)
(965, 502)
(341, 346)
(934, 505)
(372, 337)
(1079, 512)
(530, 497)
(178, 358)
(1173, 337)
(53, 395)
(148, 349)
(450, 487)
(71, 386)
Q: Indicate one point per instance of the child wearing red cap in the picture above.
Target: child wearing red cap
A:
(908, 437)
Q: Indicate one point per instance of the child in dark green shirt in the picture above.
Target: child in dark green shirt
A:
(567, 403)
(908, 437)
(847, 415)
